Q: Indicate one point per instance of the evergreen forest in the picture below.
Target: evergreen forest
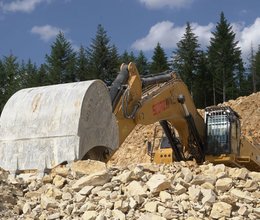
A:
(213, 75)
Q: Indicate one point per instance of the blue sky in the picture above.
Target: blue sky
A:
(28, 27)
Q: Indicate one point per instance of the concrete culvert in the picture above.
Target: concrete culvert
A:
(45, 126)
(99, 153)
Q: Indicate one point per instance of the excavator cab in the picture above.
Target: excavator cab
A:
(222, 130)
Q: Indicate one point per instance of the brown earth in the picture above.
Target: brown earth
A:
(134, 148)
(248, 107)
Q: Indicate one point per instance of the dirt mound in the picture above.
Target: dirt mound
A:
(134, 150)
(248, 107)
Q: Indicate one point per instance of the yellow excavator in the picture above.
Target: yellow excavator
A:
(43, 127)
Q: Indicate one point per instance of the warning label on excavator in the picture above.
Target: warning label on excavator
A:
(160, 107)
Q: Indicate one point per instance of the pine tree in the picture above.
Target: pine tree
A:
(82, 66)
(11, 68)
(159, 60)
(202, 86)
(257, 69)
(100, 53)
(127, 58)
(185, 58)
(114, 64)
(252, 69)
(61, 63)
(142, 63)
(3, 79)
(28, 74)
(42, 76)
(225, 60)
(11, 79)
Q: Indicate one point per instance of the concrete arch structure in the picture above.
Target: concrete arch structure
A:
(44, 126)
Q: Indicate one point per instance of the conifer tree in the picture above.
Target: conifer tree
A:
(127, 58)
(42, 76)
(114, 64)
(61, 63)
(11, 68)
(10, 78)
(252, 70)
(82, 66)
(100, 55)
(28, 74)
(202, 86)
(159, 60)
(225, 61)
(185, 58)
(3, 79)
(142, 63)
(257, 69)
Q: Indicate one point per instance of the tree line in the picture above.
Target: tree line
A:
(213, 75)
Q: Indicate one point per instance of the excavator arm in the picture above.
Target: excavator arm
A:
(162, 98)
(166, 99)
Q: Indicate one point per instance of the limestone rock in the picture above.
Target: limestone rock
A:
(59, 181)
(238, 173)
(151, 207)
(241, 195)
(86, 190)
(54, 216)
(254, 176)
(89, 215)
(117, 214)
(61, 171)
(165, 196)
(96, 179)
(150, 216)
(200, 179)
(242, 210)
(124, 177)
(194, 193)
(179, 189)
(88, 167)
(208, 196)
(157, 183)
(26, 208)
(47, 202)
(220, 209)
(224, 184)
(135, 189)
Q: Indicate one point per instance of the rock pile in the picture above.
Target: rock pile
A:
(181, 190)
(248, 107)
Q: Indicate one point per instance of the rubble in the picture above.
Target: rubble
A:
(135, 192)
(130, 187)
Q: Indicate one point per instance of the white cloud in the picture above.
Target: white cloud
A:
(21, 5)
(248, 35)
(168, 35)
(157, 4)
(46, 32)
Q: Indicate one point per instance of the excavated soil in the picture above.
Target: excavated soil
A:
(134, 149)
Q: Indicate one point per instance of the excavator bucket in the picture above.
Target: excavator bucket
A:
(45, 126)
